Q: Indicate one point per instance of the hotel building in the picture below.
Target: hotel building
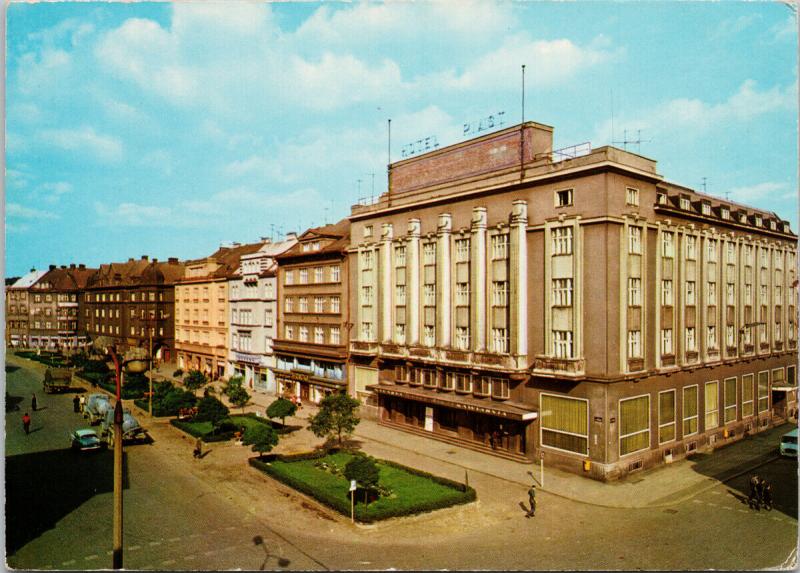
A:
(253, 315)
(571, 305)
(18, 309)
(311, 346)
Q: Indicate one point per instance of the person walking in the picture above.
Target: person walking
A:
(82, 401)
(532, 501)
(76, 404)
(26, 423)
(753, 498)
(766, 494)
(33, 402)
(198, 449)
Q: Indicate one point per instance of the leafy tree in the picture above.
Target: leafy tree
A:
(364, 470)
(171, 402)
(262, 437)
(336, 416)
(281, 408)
(211, 410)
(232, 384)
(195, 380)
(238, 396)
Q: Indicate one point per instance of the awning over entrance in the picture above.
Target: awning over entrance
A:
(500, 409)
(785, 388)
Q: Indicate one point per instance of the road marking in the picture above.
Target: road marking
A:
(90, 557)
(168, 562)
(134, 547)
(173, 539)
(230, 528)
(211, 552)
(153, 543)
(109, 553)
(697, 501)
(70, 562)
(189, 557)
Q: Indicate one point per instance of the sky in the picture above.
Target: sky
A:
(168, 129)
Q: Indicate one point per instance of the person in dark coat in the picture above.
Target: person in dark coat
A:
(33, 402)
(532, 501)
(753, 499)
(766, 494)
(76, 404)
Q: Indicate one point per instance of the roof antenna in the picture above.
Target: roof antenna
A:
(521, 130)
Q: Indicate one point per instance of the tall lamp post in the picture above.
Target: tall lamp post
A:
(135, 362)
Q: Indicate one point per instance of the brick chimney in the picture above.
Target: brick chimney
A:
(81, 266)
(52, 267)
(173, 260)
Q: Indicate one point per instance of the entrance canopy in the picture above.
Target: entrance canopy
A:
(500, 409)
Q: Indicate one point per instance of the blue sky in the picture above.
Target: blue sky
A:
(166, 129)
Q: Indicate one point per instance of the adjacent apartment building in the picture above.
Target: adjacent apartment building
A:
(573, 306)
(253, 315)
(313, 315)
(18, 308)
(134, 304)
(201, 310)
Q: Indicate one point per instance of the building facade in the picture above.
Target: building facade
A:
(133, 303)
(576, 307)
(201, 310)
(18, 309)
(253, 315)
(313, 316)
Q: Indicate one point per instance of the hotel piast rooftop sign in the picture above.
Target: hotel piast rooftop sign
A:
(419, 146)
(472, 128)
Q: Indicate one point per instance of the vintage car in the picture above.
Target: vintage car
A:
(85, 439)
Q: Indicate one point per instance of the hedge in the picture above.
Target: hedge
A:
(225, 432)
(370, 514)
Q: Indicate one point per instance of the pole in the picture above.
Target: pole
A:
(541, 472)
(522, 130)
(150, 401)
(352, 506)
(117, 554)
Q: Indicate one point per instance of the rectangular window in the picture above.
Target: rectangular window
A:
(462, 294)
(691, 339)
(634, 424)
(366, 331)
(565, 423)
(666, 341)
(335, 304)
(429, 253)
(500, 388)
(563, 198)
(303, 276)
(731, 253)
(462, 337)
(289, 304)
(763, 391)
(288, 279)
(729, 399)
(730, 294)
(712, 405)
(303, 302)
(730, 335)
(430, 335)
(400, 333)
(500, 340)
(429, 292)
(366, 260)
(462, 250)
(366, 295)
(634, 292)
(706, 209)
(319, 304)
(685, 204)
(691, 248)
(562, 292)
(562, 241)
(725, 213)
(289, 332)
(711, 336)
(303, 334)
(268, 317)
(499, 246)
(319, 274)
(562, 343)
(690, 402)
(463, 382)
(666, 292)
(635, 240)
(335, 274)
(667, 244)
(400, 256)
(400, 294)
(499, 293)
(691, 293)
(632, 196)
(334, 335)
(747, 395)
(319, 335)
(712, 293)
(666, 416)
(711, 250)
(482, 386)
(634, 344)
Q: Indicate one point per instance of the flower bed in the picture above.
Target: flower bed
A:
(226, 431)
(410, 491)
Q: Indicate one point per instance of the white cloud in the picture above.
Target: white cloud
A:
(752, 194)
(733, 26)
(688, 117)
(133, 215)
(787, 29)
(83, 139)
(52, 192)
(159, 159)
(22, 212)
(38, 73)
(237, 196)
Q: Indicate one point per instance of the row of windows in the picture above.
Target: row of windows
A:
(133, 331)
(302, 333)
(564, 197)
(333, 275)
(565, 420)
(47, 297)
(667, 296)
(184, 292)
(117, 297)
(685, 203)
(333, 304)
(458, 381)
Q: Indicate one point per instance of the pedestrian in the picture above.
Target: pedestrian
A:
(76, 404)
(33, 402)
(766, 495)
(760, 491)
(83, 402)
(26, 423)
(198, 448)
(532, 501)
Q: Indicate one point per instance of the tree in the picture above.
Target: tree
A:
(195, 380)
(336, 416)
(238, 397)
(365, 471)
(281, 408)
(262, 437)
(211, 410)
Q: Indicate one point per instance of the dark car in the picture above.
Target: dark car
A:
(85, 439)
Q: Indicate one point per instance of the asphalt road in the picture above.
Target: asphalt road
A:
(185, 514)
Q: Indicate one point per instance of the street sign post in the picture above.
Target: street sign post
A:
(353, 487)
(541, 469)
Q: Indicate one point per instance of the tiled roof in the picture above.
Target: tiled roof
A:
(340, 232)
(29, 279)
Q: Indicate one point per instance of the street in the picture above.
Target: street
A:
(218, 513)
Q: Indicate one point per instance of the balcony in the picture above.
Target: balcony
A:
(363, 347)
(551, 366)
(441, 355)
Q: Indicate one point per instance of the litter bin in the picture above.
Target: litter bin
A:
(587, 465)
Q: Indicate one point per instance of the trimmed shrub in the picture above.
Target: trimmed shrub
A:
(178, 373)
(211, 410)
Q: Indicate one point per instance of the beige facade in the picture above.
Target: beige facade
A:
(528, 304)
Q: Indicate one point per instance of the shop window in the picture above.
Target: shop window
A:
(729, 399)
(634, 424)
(747, 395)
(712, 405)
(666, 416)
(690, 414)
(763, 391)
(565, 423)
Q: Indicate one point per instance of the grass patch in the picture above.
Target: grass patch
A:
(412, 491)
(226, 430)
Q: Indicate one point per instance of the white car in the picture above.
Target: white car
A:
(85, 439)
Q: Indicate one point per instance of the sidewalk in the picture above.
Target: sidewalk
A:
(658, 487)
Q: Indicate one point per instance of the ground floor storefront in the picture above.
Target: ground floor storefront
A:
(212, 366)
(255, 371)
(308, 380)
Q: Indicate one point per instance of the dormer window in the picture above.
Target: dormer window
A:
(725, 213)
(706, 209)
(773, 225)
(662, 199)
(306, 247)
(743, 218)
(685, 204)
(315, 246)
(758, 220)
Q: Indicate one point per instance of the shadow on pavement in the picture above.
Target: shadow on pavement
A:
(268, 555)
(12, 402)
(43, 487)
(10, 368)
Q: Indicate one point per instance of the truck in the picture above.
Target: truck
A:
(132, 431)
(57, 380)
(96, 407)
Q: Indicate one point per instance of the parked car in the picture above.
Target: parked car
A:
(789, 444)
(85, 439)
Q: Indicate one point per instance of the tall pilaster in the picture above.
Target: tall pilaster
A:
(412, 296)
(519, 279)
(386, 286)
(444, 282)
(478, 278)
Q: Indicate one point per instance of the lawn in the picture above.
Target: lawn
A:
(229, 426)
(412, 491)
